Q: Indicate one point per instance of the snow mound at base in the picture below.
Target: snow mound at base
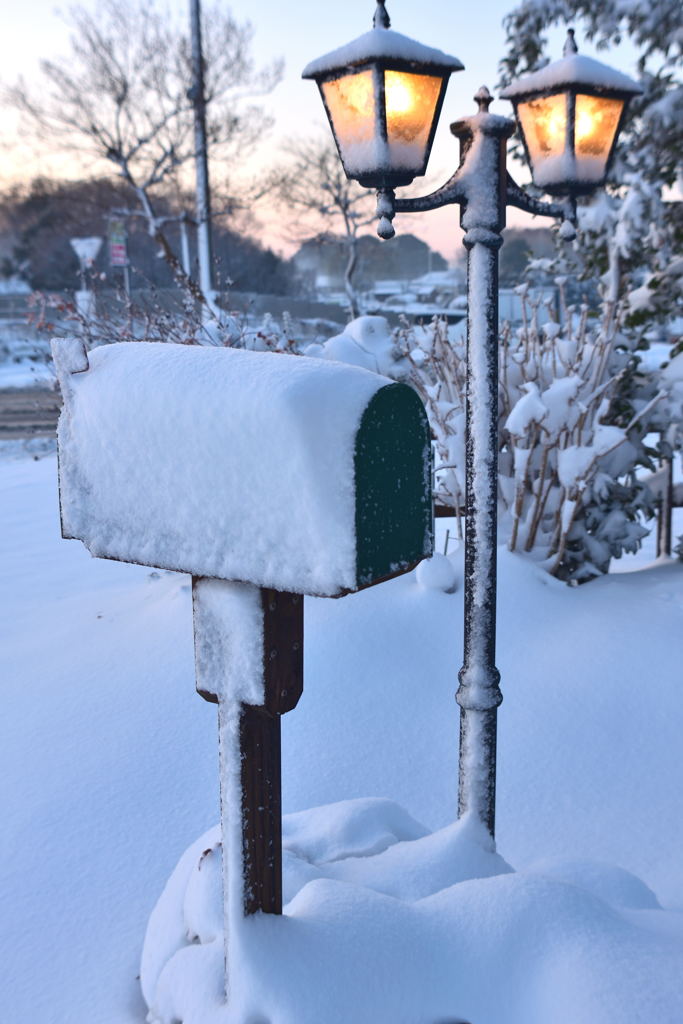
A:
(387, 923)
(349, 828)
(608, 882)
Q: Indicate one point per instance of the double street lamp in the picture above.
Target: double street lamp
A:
(383, 94)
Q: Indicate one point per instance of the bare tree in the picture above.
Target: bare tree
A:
(314, 184)
(124, 95)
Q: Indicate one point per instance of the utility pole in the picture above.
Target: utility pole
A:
(185, 246)
(197, 96)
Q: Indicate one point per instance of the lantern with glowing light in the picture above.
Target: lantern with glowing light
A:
(383, 94)
(569, 115)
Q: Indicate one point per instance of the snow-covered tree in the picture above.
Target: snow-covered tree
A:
(630, 234)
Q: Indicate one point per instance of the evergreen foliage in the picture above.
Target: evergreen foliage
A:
(631, 235)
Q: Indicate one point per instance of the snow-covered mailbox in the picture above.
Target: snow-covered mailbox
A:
(266, 477)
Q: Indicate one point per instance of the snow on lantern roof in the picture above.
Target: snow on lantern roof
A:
(574, 70)
(382, 44)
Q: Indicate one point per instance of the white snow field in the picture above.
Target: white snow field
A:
(395, 914)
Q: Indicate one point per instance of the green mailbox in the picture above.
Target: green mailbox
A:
(297, 474)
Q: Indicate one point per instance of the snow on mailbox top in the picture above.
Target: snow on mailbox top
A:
(242, 465)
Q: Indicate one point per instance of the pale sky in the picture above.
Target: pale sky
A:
(299, 31)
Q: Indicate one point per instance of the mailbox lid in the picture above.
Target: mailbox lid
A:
(394, 521)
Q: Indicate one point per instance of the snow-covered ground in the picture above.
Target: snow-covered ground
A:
(25, 374)
(109, 763)
(24, 358)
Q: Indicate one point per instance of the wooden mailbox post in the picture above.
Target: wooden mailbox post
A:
(266, 477)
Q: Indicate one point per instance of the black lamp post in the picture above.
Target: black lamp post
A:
(570, 114)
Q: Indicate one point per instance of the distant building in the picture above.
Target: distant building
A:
(321, 262)
(437, 293)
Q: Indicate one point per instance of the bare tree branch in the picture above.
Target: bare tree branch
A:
(314, 185)
(123, 96)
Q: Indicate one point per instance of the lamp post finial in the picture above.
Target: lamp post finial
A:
(483, 99)
(570, 47)
(381, 18)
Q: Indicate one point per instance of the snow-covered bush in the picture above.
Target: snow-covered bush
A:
(570, 443)
(669, 419)
(366, 341)
(437, 360)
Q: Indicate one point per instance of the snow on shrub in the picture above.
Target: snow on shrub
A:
(568, 451)
(567, 490)
(368, 342)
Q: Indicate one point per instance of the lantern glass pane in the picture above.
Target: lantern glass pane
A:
(352, 108)
(597, 120)
(410, 103)
(544, 123)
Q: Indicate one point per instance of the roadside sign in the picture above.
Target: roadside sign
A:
(118, 249)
